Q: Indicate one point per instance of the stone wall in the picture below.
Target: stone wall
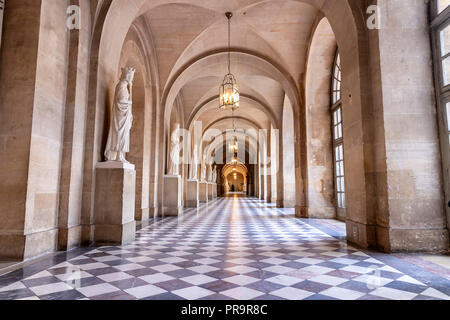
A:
(416, 218)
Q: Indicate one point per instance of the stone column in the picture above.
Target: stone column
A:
(256, 171)
(72, 166)
(410, 214)
(192, 194)
(172, 200)
(279, 174)
(261, 176)
(268, 195)
(267, 168)
(257, 181)
(114, 203)
(32, 106)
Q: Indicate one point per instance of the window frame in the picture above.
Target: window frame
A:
(337, 142)
(438, 22)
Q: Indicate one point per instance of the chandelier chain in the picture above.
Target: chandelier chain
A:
(229, 45)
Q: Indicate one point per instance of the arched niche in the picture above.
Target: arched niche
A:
(133, 56)
(318, 121)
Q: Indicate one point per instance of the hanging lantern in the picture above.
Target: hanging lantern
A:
(234, 146)
(229, 93)
(229, 90)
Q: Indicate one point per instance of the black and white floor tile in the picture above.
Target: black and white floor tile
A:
(234, 248)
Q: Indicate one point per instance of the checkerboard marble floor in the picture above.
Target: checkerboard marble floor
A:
(234, 248)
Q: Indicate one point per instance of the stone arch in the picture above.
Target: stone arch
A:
(228, 170)
(261, 105)
(100, 93)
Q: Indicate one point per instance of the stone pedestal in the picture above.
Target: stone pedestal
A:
(192, 194)
(210, 191)
(173, 205)
(203, 192)
(114, 204)
(214, 187)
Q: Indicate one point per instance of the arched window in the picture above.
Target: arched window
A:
(338, 137)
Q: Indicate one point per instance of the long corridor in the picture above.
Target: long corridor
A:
(233, 248)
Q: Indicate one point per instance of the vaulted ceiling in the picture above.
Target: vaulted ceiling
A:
(190, 40)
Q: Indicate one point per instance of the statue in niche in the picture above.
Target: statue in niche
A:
(203, 173)
(214, 174)
(194, 165)
(174, 160)
(210, 173)
(121, 118)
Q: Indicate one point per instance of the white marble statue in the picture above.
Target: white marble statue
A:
(121, 118)
(214, 174)
(203, 172)
(210, 173)
(174, 160)
(193, 173)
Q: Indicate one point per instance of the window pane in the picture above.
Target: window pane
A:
(445, 40)
(336, 73)
(337, 80)
(338, 135)
(446, 71)
(442, 4)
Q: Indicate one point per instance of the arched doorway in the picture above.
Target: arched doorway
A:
(235, 179)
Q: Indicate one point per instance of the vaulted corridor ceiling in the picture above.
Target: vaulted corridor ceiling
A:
(277, 32)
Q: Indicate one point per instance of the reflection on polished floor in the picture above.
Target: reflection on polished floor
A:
(233, 248)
